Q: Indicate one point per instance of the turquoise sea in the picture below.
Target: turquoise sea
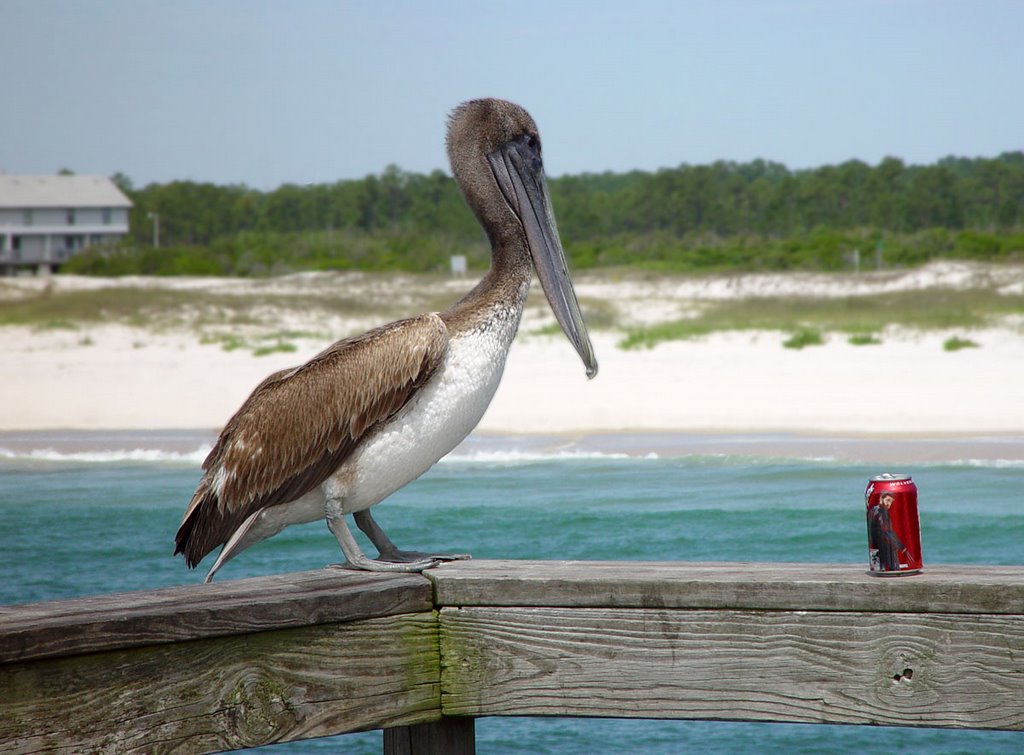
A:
(93, 513)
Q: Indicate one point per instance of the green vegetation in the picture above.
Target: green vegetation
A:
(864, 339)
(227, 341)
(279, 346)
(250, 253)
(260, 345)
(67, 310)
(804, 337)
(251, 315)
(956, 343)
(678, 330)
(165, 307)
(53, 325)
(725, 216)
(858, 316)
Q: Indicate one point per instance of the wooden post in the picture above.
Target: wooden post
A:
(449, 736)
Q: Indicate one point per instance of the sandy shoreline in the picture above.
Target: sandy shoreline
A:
(726, 383)
(117, 376)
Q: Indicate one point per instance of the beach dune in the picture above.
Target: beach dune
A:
(119, 375)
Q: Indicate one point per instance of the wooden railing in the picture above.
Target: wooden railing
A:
(254, 661)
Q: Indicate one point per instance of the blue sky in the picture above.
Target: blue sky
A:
(309, 91)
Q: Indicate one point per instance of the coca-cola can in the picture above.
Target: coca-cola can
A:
(894, 530)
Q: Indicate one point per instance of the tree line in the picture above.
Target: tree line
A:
(757, 214)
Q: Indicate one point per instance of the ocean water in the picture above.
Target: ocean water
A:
(95, 513)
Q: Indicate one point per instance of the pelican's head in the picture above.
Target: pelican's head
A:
(495, 152)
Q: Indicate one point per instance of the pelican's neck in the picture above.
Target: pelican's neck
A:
(504, 287)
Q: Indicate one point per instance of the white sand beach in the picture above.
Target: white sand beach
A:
(122, 375)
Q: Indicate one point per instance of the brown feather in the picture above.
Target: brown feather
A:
(298, 426)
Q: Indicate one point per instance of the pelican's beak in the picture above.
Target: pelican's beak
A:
(518, 169)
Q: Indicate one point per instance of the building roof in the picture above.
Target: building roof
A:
(60, 191)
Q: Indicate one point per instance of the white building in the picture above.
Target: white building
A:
(46, 219)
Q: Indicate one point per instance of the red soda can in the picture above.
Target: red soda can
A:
(894, 530)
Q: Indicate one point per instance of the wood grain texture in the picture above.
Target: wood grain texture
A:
(226, 693)
(811, 587)
(124, 620)
(944, 670)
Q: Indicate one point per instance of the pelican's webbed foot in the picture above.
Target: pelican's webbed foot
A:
(407, 557)
(391, 553)
(373, 564)
(400, 561)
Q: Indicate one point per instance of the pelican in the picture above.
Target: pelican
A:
(371, 413)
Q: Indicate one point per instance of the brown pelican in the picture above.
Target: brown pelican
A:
(372, 413)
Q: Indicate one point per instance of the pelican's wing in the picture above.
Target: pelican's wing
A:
(298, 426)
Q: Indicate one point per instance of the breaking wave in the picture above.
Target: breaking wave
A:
(529, 457)
(108, 456)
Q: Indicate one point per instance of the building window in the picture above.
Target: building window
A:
(107, 214)
(26, 217)
(71, 217)
(69, 243)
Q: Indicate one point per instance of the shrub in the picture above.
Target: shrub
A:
(804, 337)
(956, 343)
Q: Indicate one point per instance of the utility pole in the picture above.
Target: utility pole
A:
(155, 217)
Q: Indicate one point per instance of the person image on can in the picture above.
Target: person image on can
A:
(884, 544)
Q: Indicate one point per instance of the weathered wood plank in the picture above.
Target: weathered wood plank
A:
(811, 587)
(270, 659)
(226, 693)
(123, 620)
(943, 670)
